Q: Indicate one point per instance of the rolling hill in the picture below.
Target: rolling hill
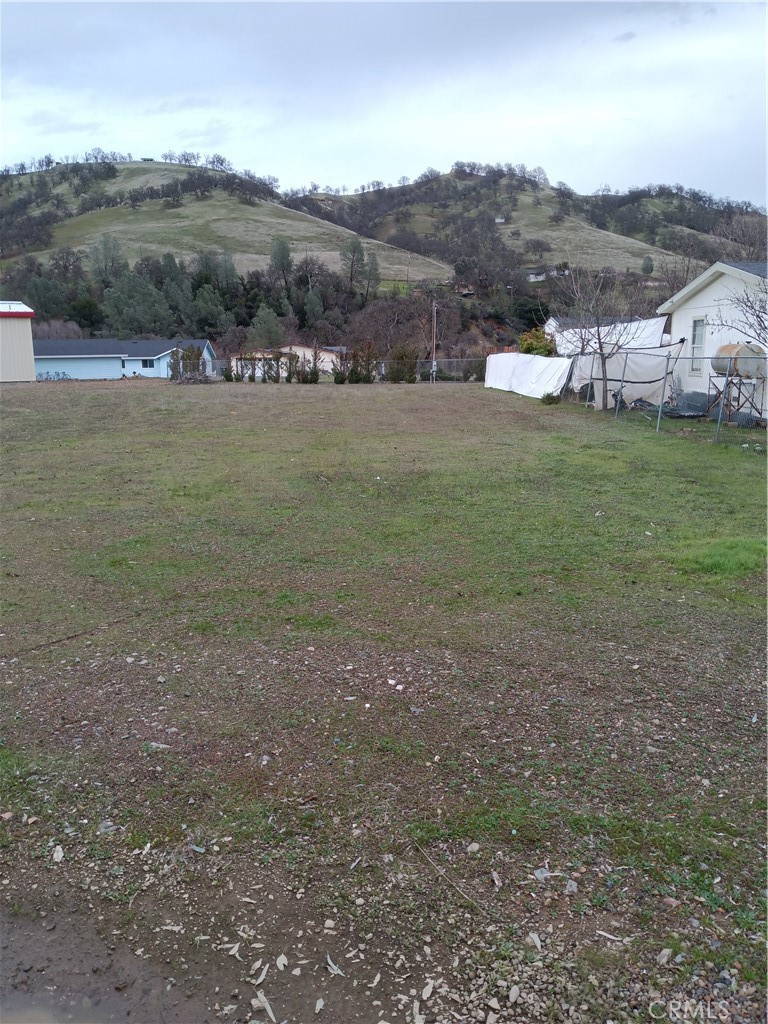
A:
(417, 230)
(216, 221)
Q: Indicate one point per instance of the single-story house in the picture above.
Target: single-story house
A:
(16, 358)
(111, 358)
(725, 305)
(250, 362)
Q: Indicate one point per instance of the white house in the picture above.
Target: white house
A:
(111, 358)
(16, 357)
(726, 305)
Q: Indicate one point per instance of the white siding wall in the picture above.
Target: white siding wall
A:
(17, 359)
(135, 366)
(702, 305)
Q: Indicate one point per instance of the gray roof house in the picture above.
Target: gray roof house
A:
(111, 358)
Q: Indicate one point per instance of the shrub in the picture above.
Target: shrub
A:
(536, 343)
(550, 399)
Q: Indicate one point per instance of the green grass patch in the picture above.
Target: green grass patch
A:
(726, 558)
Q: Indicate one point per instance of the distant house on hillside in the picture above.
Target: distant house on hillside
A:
(17, 361)
(112, 358)
(535, 274)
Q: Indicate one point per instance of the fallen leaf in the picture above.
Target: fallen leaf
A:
(332, 966)
(265, 1005)
(534, 938)
(262, 976)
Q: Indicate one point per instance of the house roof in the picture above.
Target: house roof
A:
(747, 273)
(15, 309)
(758, 268)
(142, 348)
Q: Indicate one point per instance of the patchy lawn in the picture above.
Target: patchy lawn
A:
(460, 691)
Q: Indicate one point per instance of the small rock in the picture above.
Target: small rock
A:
(473, 848)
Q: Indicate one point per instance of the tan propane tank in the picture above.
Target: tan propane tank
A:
(745, 361)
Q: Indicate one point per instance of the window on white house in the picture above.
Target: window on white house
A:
(122, 364)
(697, 344)
(147, 364)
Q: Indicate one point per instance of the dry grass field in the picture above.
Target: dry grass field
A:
(377, 704)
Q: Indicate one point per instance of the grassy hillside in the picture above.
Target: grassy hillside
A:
(418, 230)
(218, 221)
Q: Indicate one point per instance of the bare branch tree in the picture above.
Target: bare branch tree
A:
(746, 311)
(602, 316)
(745, 236)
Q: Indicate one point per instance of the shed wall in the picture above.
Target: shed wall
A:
(17, 360)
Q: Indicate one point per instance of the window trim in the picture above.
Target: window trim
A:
(698, 336)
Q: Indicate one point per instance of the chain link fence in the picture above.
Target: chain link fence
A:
(414, 371)
(690, 398)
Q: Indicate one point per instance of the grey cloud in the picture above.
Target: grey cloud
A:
(59, 124)
(625, 37)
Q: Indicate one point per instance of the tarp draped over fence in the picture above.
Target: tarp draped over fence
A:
(639, 373)
(574, 341)
(533, 376)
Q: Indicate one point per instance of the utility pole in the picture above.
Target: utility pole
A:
(433, 374)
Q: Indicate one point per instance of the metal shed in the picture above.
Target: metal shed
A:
(17, 360)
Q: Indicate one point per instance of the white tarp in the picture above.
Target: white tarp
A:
(533, 376)
(573, 341)
(640, 373)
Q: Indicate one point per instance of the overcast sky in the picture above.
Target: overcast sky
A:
(596, 93)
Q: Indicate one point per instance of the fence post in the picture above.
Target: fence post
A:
(663, 392)
(621, 387)
(722, 401)
(589, 386)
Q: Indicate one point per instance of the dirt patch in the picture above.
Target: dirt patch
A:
(58, 966)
